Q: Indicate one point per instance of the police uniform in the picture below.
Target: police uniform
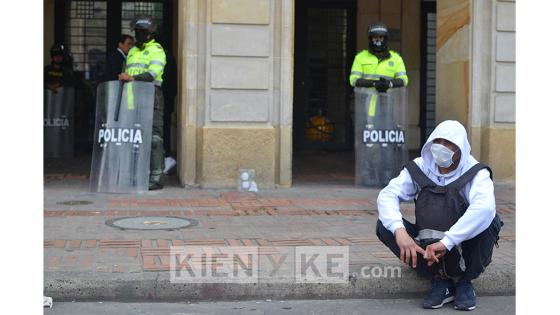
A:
(368, 66)
(57, 76)
(151, 59)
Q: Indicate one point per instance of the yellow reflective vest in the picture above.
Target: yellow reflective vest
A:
(149, 59)
(367, 66)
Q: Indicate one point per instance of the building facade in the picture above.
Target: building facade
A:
(244, 65)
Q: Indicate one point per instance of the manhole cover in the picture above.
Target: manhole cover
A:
(74, 202)
(151, 223)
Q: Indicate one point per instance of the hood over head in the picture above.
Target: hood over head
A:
(453, 131)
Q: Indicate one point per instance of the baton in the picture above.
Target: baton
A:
(119, 98)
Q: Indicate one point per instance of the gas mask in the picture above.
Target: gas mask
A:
(377, 45)
(141, 37)
(443, 156)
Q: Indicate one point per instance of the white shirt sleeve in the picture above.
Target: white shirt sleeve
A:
(399, 188)
(479, 214)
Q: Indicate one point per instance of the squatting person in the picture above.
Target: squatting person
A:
(456, 224)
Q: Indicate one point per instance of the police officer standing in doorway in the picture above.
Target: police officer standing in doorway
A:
(145, 62)
(57, 74)
(378, 66)
(375, 71)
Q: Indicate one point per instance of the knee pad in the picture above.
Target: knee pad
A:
(156, 140)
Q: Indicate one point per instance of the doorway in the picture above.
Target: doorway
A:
(325, 46)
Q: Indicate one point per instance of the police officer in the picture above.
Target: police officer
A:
(378, 66)
(57, 74)
(145, 62)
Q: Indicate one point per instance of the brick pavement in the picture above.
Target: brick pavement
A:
(78, 241)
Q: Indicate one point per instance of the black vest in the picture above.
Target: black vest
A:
(440, 207)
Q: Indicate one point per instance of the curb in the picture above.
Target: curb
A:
(157, 287)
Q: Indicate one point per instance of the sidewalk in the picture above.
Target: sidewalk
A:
(85, 259)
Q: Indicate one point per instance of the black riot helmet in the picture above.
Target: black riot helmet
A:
(144, 30)
(143, 23)
(378, 29)
(57, 50)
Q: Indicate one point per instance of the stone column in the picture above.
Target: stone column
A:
(236, 94)
(497, 147)
(453, 61)
(476, 76)
(191, 80)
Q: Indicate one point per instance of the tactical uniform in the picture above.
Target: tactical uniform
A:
(368, 66)
(146, 63)
(58, 75)
(378, 66)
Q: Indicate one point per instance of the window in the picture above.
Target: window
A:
(131, 10)
(86, 29)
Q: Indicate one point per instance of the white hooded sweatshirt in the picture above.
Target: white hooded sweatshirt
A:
(479, 192)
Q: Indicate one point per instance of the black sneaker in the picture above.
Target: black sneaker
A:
(442, 291)
(465, 300)
(155, 186)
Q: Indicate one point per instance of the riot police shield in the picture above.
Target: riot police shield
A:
(380, 135)
(123, 137)
(58, 123)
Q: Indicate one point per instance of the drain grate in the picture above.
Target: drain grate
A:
(151, 223)
(74, 203)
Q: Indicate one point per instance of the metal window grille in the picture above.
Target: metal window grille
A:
(86, 36)
(85, 9)
(132, 9)
(431, 74)
(327, 68)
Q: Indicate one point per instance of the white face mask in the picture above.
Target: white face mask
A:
(442, 155)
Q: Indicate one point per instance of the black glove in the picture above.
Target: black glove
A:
(397, 83)
(365, 83)
(382, 85)
(145, 76)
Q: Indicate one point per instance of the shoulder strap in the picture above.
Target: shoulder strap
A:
(469, 175)
(418, 176)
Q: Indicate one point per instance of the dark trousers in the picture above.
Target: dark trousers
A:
(476, 252)
(157, 153)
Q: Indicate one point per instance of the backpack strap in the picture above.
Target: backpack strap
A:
(418, 176)
(469, 175)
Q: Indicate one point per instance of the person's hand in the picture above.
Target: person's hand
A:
(408, 247)
(382, 85)
(434, 252)
(125, 77)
